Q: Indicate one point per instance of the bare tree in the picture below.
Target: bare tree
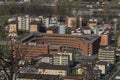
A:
(10, 57)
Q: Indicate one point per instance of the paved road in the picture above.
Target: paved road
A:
(112, 77)
(113, 73)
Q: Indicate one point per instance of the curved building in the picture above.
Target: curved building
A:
(55, 42)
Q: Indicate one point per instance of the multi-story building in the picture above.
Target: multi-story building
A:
(52, 29)
(61, 59)
(88, 44)
(53, 20)
(71, 56)
(88, 71)
(46, 22)
(49, 69)
(62, 29)
(86, 30)
(107, 55)
(13, 27)
(46, 58)
(28, 76)
(92, 23)
(50, 21)
(34, 26)
(67, 53)
(98, 29)
(23, 22)
(105, 39)
(72, 21)
(102, 66)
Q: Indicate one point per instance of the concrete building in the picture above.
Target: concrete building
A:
(46, 22)
(13, 26)
(72, 21)
(61, 29)
(50, 21)
(23, 22)
(44, 58)
(86, 30)
(67, 53)
(53, 21)
(61, 59)
(105, 39)
(52, 29)
(77, 32)
(88, 71)
(98, 29)
(102, 66)
(107, 55)
(92, 23)
(48, 69)
(34, 26)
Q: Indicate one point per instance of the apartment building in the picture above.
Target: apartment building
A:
(62, 29)
(88, 71)
(23, 22)
(67, 53)
(52, 29)
(49, 69)
(46, 22)
(92, 23)
(102, 66)
(61, 59)
(44, 58)
(107, 55)
(34, 26)
(13, 26)
(50, 21)
(72, 21)
(105, 39)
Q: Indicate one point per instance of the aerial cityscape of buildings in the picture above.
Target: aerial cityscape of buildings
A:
(80, 41)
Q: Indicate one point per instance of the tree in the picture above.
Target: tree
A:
(62, 8)
(10, 57)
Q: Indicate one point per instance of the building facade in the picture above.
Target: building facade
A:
(13, 26)
(60, 59)
(49, 69)
(88, 44)
(23, 22)
(105, 39)
(72, 21)
(34, 26)
(107, 55)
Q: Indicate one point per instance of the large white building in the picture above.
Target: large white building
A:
(107, 55)
(23, 22)
(61, 59)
